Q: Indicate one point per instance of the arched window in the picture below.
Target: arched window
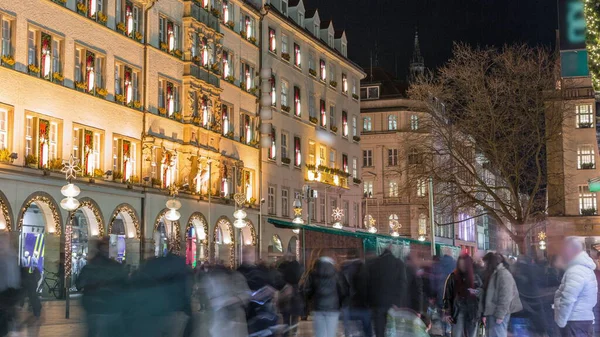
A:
(392, 122)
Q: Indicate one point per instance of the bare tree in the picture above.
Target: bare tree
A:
(490, 115)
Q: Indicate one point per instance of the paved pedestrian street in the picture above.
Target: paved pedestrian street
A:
(54, 324)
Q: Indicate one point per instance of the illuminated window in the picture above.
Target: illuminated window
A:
(332, 157)
(41, 140)
(322, 160)
(168, 97)
(414, 122)
(126, 84)
(273, 91)
(272, 40)
(393, 189)
(284, 94)
(297, 102)
(392, 122)
(323, 113)
(86, 147)
(89, 69)
(312, 152)
(421, 187)
(345, 162)
(6, 47)
(466, 227)
(168, 35)
(130, 15)
(297, 56)
(367, 124)
(368, 189)
(584, 116)
(323, 70)
(344, 84)
(125, 159)
(587, 201)
(227, 119)
(227, 64)
(586, 158)
(354, 168)
(226, 10)
(272, 151)
(284, 45)
(344, 123)
(3, 129)
(297, 152)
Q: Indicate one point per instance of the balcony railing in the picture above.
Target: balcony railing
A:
(328, 178)
(192, 9)
(201, 74)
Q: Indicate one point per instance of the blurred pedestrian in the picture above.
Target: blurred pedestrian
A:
(354, 306)
(529, 279)
(29, 283)
(501, 296)
(10, 282)
(291, 303)
(322, 289)
(415, 299)
(577, 295)
(461, 302)
(102, 281)
(387, 287)
(227, 294)
(160, 298)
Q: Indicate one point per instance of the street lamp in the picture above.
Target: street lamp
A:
(69, 204)
(172, 214)
(239, 222)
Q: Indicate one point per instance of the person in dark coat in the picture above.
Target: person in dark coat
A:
(160, 299)
(29, 284)
(387, 286)
(461, 302)
(102, 280)
(415, 298)
(291, 302)
(354, 306)
(322, 289)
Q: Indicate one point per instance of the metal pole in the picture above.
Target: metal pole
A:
(68, 230)
(209, 190)
(431, 216)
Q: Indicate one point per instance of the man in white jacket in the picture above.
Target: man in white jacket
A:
(576, 297)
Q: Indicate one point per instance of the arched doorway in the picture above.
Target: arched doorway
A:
(196, 240)
(166, 235)
(248, 242)
(224, 242)
(5, 214)
(294, 248)
(123, 227)
(275, 248)
(39, 235)
(86, 222)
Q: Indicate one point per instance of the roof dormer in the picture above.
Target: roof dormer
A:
(312, 22)
(297, 11)
(341, 42)
(328, 33)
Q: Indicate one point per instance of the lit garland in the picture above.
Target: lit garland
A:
(592, 18)
(5, 212)
(124, 208)
(252, 232)
(89, 204)
(68, 249)
(177, 240)
(198, 216)
(224, 221)
(42, 198)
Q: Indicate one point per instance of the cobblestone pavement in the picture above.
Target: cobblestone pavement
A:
(54, 324)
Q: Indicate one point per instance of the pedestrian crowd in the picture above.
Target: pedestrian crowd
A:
(382, 296)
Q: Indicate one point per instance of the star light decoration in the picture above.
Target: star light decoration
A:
(71, 168)
(298, 211)
(337, 214)
(173, 190)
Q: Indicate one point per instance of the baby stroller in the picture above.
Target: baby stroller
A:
(262, 315)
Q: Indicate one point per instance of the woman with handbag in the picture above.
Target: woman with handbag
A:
(461, 302)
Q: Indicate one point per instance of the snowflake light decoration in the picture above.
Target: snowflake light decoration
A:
(71, 168)
(173, 190)
(542, 236)
(337, 214)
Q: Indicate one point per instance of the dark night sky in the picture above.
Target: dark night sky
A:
(390, 24)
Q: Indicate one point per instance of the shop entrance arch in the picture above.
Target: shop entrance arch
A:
(6, 220)
(39, 229)
(166, 235)
(224, 242)
(196, 240)
(248, 242)
(294, 248)
(86, 223)
(123, 227)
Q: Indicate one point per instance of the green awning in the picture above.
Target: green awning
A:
(366, 236)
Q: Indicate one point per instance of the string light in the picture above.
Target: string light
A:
(592, 19)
